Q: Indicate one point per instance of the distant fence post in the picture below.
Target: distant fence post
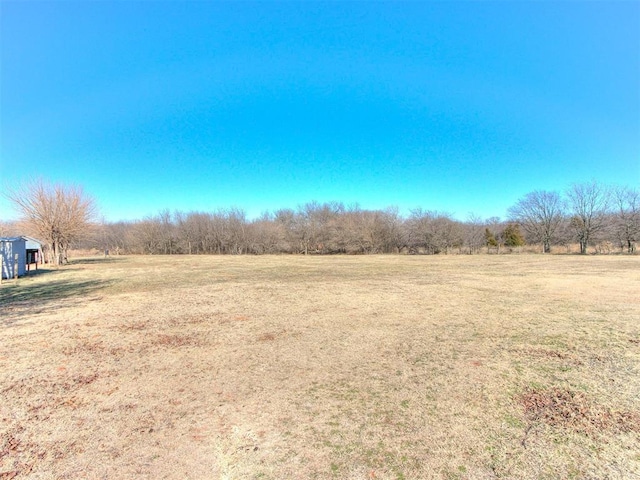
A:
(15, 266)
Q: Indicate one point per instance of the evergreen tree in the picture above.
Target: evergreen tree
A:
(512, 236)
(490, 238)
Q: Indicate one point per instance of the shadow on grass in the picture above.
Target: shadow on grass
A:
(22, 299)
(95, 260)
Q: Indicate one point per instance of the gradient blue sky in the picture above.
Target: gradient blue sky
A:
(454, 106)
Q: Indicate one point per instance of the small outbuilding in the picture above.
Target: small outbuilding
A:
(19, 255)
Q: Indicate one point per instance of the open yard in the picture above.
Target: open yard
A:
(370, 367)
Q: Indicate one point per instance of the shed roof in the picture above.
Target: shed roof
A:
(31, 243)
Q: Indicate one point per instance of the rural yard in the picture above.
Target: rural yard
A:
(323, 367)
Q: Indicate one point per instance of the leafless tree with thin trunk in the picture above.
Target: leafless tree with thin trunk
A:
(627, 216)
(473, 231)
(589, 203)
(540, 213)
(287, 223)
(57, 214)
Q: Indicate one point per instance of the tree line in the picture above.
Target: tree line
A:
(590, 215)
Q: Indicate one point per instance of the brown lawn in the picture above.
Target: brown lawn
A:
(272, 367)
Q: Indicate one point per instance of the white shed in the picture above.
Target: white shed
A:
(20, 251)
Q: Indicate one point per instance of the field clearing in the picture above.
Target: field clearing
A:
(272, 367)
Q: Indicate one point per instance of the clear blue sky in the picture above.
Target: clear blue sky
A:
(455, 106)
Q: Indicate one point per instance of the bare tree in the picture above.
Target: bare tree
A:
(148, 237)
(266, 235)
(116, 236)
(589, 203)
(627, 216)
(185, 232)
(236, 230)
(418, 233)
(315, 226)
(474, 233)
(447, 233)
(540, 213)
(432, 232)
(390, 230)
(167, 231)
(286, 220)
(57, 214)
(355, 232)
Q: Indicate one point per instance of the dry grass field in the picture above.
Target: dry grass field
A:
(372, 367)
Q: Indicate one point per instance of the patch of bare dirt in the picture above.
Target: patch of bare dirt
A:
(576, 411)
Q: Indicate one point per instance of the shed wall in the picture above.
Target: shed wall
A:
(8, 250)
